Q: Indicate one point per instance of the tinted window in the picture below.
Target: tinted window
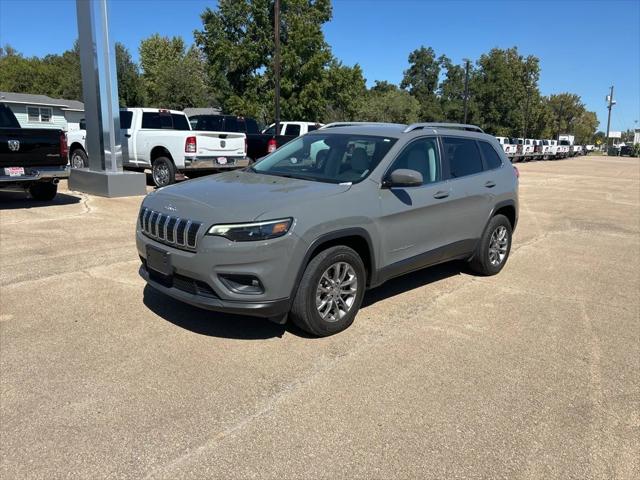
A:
(421, 156)
(252, 125)
(270, 131)
(210, 123)
(491, 157)
(125, 119)
(164, 120)
(293, 130)
(311, 128)
(180, 122)
(231, 124)
(463, 156)
(7, 118)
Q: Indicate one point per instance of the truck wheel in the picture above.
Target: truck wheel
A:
(494, 247)
(79, 159)
(330, 292)
(163, 172)
(43, 191)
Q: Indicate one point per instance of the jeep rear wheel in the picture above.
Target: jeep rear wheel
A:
(330, 292)
(494, 247)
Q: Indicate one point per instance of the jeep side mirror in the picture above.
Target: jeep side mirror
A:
(403, 177)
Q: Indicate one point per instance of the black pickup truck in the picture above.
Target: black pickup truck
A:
(258, 144)
(31, 159)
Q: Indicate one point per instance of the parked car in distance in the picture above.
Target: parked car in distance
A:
(162, 141)
(31, 159)
(508, 148)
(306, 230)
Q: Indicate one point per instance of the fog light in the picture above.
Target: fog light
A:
(247, 284)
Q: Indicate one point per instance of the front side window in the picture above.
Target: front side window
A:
(421, 156)
(462, 155)
(491, 157)
(326, 157)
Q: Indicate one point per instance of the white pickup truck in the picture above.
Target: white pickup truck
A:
(549, 149)
(510, 149)
(162, 141)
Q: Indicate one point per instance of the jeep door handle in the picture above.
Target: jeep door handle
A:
(441, 194)
(490, 184)
(128, 135)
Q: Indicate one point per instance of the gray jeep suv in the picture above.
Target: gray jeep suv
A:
(307, 229)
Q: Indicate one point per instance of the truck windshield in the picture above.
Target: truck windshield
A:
(327, 157)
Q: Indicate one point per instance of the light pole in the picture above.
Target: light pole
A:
(466, 90)
(611, 103)
(276, 61)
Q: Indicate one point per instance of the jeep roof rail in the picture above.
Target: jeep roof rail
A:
(451, 126)
(352, 124)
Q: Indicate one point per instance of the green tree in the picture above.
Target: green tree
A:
(569, 115)
(387, 103)
(421, 80)
(173, 76)
(237, 41)
(130, 87)
(505, 88)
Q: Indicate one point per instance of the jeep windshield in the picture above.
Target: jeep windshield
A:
(327, 157)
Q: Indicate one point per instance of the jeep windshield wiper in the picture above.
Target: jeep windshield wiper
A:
(302, 177)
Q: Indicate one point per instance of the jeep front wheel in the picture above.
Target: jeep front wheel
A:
(330, 292)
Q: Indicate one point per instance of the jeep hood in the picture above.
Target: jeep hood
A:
(237, 196)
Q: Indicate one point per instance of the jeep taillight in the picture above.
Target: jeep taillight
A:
(64, 148)
(190, 145)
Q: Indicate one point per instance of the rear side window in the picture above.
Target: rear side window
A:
(180, 122)
(252, 125)
(293, 130)
(311, 128)
(231, 124)
(125, 119)
(491, 157)
(462, 155)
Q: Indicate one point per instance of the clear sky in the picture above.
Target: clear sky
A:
(584, 46)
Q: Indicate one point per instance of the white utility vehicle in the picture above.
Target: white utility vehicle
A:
(162, 141)
(509, 148)
(549, 149)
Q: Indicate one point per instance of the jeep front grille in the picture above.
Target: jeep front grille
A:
(177, 232)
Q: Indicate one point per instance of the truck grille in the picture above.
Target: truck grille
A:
(177, 232)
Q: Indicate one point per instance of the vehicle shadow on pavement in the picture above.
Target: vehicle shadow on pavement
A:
(205, 322)
(413, 280)
(16, 200)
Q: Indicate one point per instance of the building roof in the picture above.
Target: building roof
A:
(202, 111)
(31, 99)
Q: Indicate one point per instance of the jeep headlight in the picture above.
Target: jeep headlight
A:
(254, 231)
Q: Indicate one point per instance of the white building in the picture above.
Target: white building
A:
(41, 111)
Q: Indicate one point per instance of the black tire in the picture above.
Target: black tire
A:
(43, 191)
(163, 172)
(304, 312)
(78, 159)
(481, 262)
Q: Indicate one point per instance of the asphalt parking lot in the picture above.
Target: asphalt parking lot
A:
(534, 373)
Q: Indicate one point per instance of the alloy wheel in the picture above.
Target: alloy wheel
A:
(498, 245)
(336, 291)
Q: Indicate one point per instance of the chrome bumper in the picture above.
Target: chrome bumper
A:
(212, 163)
(34, 174)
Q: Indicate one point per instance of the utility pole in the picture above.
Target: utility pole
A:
(611, 103)
(466, 91)
(276, 63)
